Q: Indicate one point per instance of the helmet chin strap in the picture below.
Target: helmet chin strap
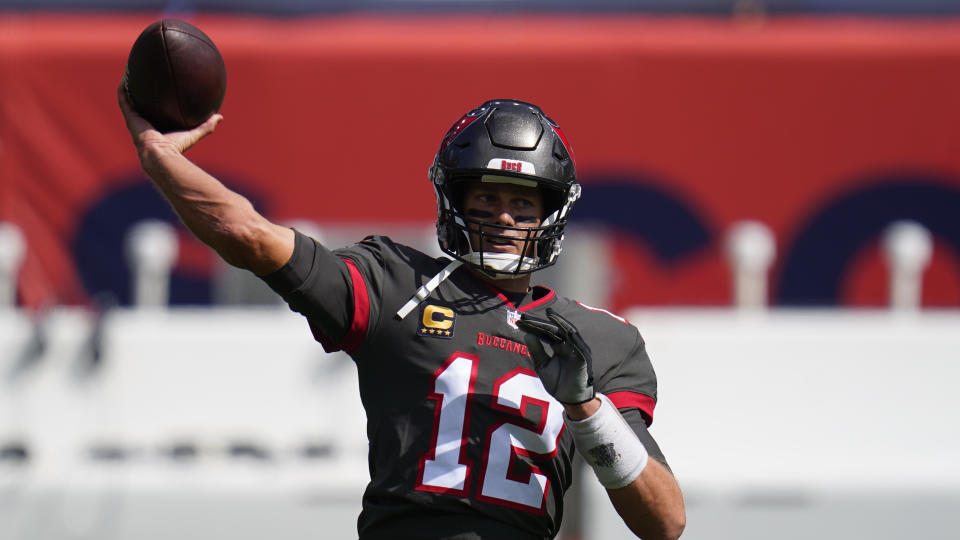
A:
(424, 291)
(495, 265)
(500, 265)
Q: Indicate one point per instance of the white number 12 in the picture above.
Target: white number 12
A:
(445, 467)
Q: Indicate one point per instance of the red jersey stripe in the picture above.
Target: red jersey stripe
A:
(542, 300)
(626, 399)
(361, 316)
(361, 310)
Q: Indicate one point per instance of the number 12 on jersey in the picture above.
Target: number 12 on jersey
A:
(445, 468)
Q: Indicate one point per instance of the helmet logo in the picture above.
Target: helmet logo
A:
(514, 165)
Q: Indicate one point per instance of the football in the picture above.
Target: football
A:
(175, 76)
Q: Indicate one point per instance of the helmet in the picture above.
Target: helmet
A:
(504, 141)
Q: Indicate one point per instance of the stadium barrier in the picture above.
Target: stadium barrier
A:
(151, 422)
(214, 422)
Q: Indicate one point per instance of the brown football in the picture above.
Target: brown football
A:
(175, 76)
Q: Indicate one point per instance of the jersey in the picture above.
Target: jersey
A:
(465, 442)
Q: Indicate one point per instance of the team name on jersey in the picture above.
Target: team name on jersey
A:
(505, 344)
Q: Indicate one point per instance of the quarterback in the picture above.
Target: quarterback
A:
(478, 387)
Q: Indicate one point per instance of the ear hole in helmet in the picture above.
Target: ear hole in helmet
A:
(553, 200)
(458, 188)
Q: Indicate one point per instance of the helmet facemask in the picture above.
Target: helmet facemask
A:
(504, 141)
(459, 234)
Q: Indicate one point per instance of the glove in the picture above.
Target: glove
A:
(566, 372)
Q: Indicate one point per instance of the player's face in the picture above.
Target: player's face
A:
(502, 205)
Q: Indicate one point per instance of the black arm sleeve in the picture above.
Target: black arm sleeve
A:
(316, 283)
(635, 418)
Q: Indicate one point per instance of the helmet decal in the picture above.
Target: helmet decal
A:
(512, 165)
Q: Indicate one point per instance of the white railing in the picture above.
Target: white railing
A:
(750, 247)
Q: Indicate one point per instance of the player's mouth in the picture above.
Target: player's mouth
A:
(500, 247)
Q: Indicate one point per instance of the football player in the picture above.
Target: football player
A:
(478, 387)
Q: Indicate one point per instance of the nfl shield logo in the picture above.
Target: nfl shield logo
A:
(512, 317)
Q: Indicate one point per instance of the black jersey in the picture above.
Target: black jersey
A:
(465, 442)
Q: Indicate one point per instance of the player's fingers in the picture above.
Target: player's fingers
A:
(122, 98)
(540, 327)
(185, 139)
(205, 128)
(124, 101)
(582, 350)
(211, 124)
(565, 325)
(136, 124)
(537, 352)
(579, 344)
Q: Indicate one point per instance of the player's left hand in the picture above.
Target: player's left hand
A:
(567, 372)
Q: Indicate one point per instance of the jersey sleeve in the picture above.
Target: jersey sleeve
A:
(621, 368)
(632, 382)
(371, 265)
(326, 288)
(638, 423)
(626, 376)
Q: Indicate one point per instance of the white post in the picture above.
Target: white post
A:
(151, 252)
(908, 247)
(12, 252)
(751, 249)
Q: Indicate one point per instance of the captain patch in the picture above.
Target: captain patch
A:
(436, 321)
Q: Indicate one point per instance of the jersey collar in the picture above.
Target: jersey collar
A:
(539, 296)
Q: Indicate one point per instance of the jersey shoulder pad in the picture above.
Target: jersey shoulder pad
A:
(601, 310)
(601, 328)
(381, 251)
(620, 362)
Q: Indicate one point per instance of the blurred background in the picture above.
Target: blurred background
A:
(771, 192)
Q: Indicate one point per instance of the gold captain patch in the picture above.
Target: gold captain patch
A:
(436, 321)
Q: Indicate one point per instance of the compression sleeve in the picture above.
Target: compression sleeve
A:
(635, 419)
(316, 283)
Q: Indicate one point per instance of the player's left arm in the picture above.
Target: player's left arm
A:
(651, 504)
(643, 490)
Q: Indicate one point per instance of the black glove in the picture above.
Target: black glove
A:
(567, 372)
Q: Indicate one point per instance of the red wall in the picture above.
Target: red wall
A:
(338, 118)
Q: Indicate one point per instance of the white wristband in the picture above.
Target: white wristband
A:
(609, 445)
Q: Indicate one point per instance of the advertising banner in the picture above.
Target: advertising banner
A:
(826, 130)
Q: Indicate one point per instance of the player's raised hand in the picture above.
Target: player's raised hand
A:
(144, 134)
(566, 371)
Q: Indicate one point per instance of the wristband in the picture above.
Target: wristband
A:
(609, 445)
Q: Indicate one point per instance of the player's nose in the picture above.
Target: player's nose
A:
(505, 217)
